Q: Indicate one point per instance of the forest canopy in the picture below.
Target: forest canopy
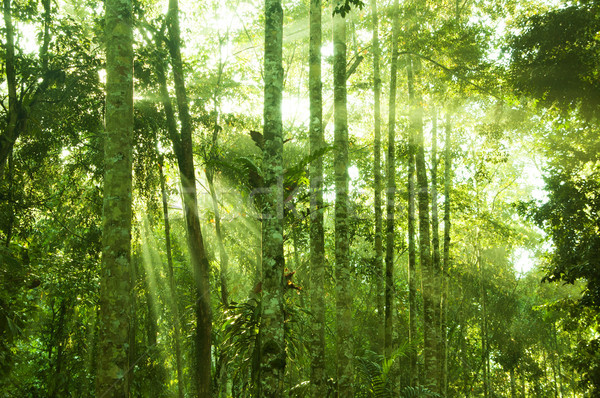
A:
(300, 198)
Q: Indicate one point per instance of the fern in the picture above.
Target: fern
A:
(418, 392)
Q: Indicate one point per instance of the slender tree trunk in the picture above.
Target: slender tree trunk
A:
(172, 289)
(115, 284)
(317, 234)
(446, 260)
(18, 114)
(198, 256)
(344, 346)
(391, 187)
(272, 344)
(11, 130)
(412, 254)
(430, 328)
(377, 178)
(437, 262)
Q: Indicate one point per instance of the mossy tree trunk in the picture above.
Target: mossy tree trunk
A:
(344, 346)
(391, 187)
(22, 104)
(412, 253)
(115, 283)
(317, 234)
(446, 256)
(272, 343)
(198, 256)
(435, 242)
(379, 273)
(430, 329)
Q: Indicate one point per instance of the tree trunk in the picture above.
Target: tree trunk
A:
(379, 273)
(345, 371)
(198, 257)
(437, 262)
(115, 284)
(446, 260)
(18, 114)
(172, 289)
(12, 130)
(317, 234)
(412, 254)
(430, 327)
(391, 187)
(272, 343)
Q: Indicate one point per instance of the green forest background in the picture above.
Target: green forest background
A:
(379, 199)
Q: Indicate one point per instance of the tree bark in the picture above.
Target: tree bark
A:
(391, 187)
(12, 130)
(18, 114)
(115, 284)
(379, 270)
(446, 259)
(272, 343)
(435, 242)
(412, 254)
(198, 256)
(344, 346)
(430, 326)
(317, 233)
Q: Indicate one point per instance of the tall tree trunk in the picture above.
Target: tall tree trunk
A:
(377, 178)
(272, 343)
(412, 253)
(317, 234)
(430, 325)
(435, 241)
(172, 289)
(199, 259)
(11, 131)
(18, 114)
(345, 371)
(391, 187)
(446, 260)
(115, 284)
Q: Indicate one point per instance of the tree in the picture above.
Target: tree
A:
(199, 259)
(317, 235)
(446, 255)
(21, 104)
(345, 373)
(391, 186)
(272, 344)
(430, 329)
(115, 287)
(377, 171)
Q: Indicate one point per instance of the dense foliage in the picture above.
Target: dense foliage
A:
(485, 265)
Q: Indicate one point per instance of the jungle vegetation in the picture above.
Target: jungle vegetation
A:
(300, 198)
